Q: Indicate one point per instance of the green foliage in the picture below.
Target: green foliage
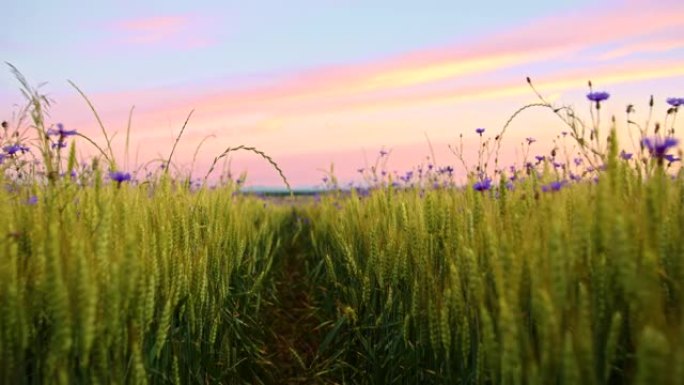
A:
(131, 285)
(577, 286)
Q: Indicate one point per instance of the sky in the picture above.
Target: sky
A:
(333, 82)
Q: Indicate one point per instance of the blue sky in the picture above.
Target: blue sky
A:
(320, 82)
(53, 40)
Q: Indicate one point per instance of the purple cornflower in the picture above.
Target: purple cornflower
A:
(61, 132)
(625, 155)
(483, 185)
(675, 102)
(59, 144)
(671, 158)
(13, 149)
(447, 170)
(553, 186)
(480, 131)
(577, 161)
(598, 96)
(407, 177)
(539, 158)
(32, 200)
(530, 140)
(120, 176)
(658, 146)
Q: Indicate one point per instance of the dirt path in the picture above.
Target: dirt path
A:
(293, 342)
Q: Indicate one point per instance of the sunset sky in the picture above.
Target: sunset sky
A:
(335, 81)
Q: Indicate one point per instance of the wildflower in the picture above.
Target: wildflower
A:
(32, 200)
(625, 155)
(360, 171)
(59, 144)
(120, 176)
(671, 158)
(564, 133)
(658, 146)
(446, 170)
(480, 131)
(539, 158)
(675, 102)
(553, 186)
(558, 165)
(483, 185)
(530, 140)
(577, 161)
(13, 149)
(383, 152)
(598, 96)
(61, 132)
(407, 177)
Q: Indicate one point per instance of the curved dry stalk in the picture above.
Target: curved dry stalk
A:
(254, 150)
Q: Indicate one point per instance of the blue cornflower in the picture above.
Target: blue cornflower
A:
(120, 176)
(675, 102)
(625, 155)
(61, 132)
(598, 96)
(658, 146)
(480, 131)
(13, 149)
(553, 186)
(483, 185)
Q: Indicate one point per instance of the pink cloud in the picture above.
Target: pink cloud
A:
(643, 47)
(180, 31)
